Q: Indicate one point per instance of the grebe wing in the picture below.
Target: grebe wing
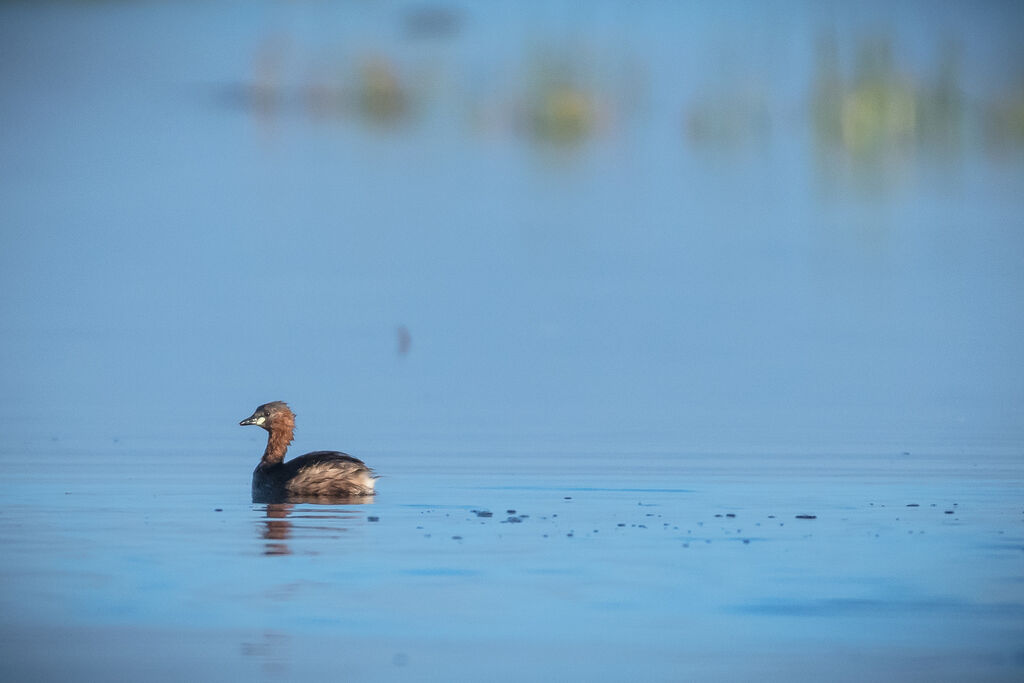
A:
(327, 456)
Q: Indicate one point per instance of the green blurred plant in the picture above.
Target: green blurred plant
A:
(880, 111)
(560, 107)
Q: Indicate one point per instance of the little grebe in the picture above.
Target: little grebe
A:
(316, 474)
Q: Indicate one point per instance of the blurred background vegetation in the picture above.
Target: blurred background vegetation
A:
(858, 94)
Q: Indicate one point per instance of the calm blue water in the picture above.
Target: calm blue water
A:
(626, 265)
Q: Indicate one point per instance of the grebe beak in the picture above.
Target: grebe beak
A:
(253, 420)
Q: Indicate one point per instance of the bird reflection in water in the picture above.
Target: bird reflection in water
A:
(285, 520)
(272, 650)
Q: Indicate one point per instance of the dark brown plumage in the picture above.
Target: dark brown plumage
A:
(320, 474)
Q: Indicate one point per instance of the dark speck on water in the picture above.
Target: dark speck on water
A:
(372, 518)
(483, 513)
(806, 516)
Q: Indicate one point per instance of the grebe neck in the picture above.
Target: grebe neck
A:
(277, 444)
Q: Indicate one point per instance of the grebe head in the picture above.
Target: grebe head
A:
(267, 414)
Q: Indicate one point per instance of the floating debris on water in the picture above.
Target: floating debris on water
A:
(807, 516)
(373, 518)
